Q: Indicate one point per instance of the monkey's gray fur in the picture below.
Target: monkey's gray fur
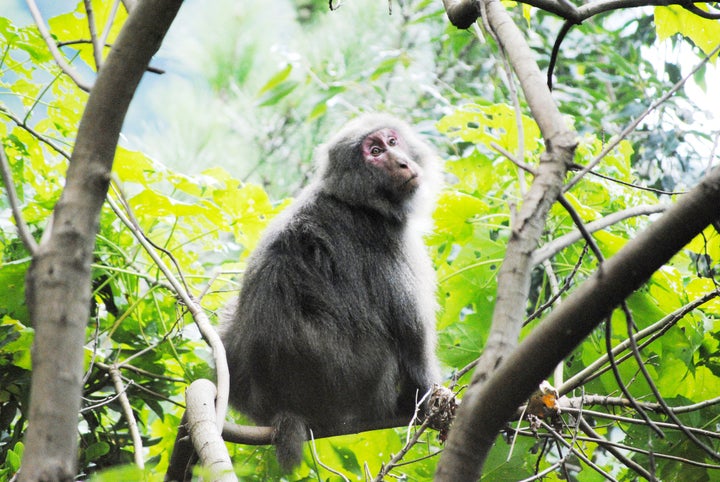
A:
(335, 322)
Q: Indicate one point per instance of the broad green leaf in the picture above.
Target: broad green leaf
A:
(455, 212)
(96, 450)
(14, 456)
(128, 472)
(154, 204)
(487, 124)
(610, 243)
(586, 213)
(675, 19)
(133, 166)
(699, 287)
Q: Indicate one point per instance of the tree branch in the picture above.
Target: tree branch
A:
(461, 459)
(59, 280)
(201, 319)
(129, 416)
(22, 227)
(556, 245)
(514, 380)
(204, 433)
(57, 55)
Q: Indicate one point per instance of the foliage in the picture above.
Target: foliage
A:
(270, 108)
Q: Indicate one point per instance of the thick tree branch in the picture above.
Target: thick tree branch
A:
(204, 433)
(58, 281)
(515, 379)
(461, 459)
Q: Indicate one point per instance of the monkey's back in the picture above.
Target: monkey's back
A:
(335, 318)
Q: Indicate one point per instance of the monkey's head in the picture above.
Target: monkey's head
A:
(377, 161)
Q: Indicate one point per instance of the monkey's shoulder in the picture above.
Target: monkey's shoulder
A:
(327, 223)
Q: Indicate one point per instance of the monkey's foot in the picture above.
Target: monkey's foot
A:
(441, 410)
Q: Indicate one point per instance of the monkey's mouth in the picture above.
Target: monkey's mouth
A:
(411, 182)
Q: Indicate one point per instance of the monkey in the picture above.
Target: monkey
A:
(335, 322)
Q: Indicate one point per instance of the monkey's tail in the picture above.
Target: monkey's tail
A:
(289, 434)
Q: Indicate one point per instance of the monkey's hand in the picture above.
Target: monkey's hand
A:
(441, 410)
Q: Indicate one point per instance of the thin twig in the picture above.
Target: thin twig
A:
(57, 55)
(22, 124)
(558, 244)
(565, 287)
(129, 416)
(581, 227)
(660, 400)
(631, 127)
(316, 458)
(22, 227)
(97, 45)
(621, 383)
(108, 25)
(628, 462)
(201, 319)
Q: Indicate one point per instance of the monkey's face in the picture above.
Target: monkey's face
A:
(386, 151)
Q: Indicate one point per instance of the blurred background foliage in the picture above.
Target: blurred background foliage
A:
(216, 146)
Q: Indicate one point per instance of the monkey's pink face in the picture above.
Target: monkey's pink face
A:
(384, 149)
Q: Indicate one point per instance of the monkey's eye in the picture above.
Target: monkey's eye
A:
(376, 151)
(392, 141)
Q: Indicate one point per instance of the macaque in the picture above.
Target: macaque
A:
(335, 323)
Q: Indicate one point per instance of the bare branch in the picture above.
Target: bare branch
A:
(22, 227)
(631, 127)
(57, 55)
(96, 43)
(129, 416)
(582, 229)
(108, 26)
(555, 246)
(204, 433)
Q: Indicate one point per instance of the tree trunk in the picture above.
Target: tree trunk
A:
(58, 281)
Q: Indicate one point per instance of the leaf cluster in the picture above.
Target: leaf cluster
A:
(265, 106)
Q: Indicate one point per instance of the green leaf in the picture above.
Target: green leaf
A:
(675, 19)
(386, 66)
(276, 79)
(14, 457)
(277, 93)
(455, 213)
(96, 450)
